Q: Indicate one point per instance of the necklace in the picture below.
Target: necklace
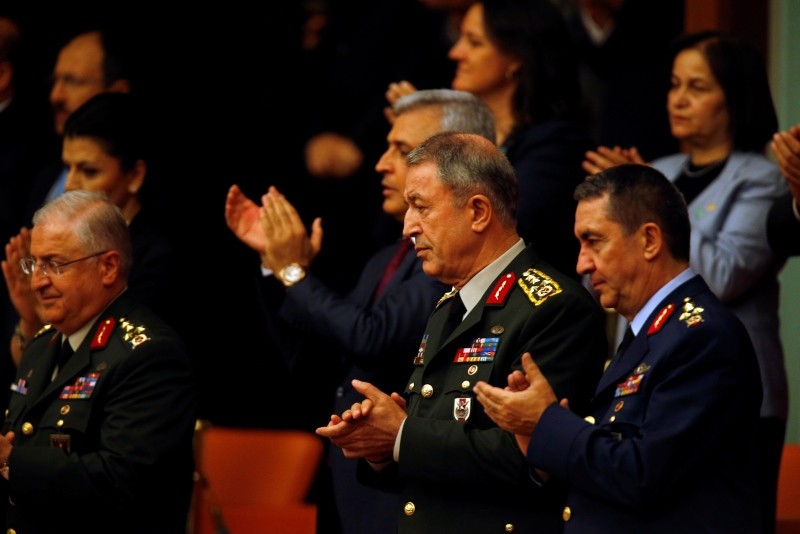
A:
(701, 170)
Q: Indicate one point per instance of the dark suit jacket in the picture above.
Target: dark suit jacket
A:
(783, 228)
(672, 445)
(547, 158)
(125, 404)
(469, 475)
(372, 341)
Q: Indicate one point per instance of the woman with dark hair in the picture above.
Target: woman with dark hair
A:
(104, 149)
(518, 57)
(721, 110)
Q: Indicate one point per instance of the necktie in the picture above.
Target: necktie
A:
(391, 267)
(63, 355)
(454, 316)
(623, 346)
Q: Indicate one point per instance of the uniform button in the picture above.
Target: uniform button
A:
(60, 423)
(411, 386)
(409, 508)
(612, 418)
(11, 531)
(427, 391)
(510, 527)
(65, 409)
(27, 429)
(6, 412)
(589, 419)
(567, 513)
(465, 384)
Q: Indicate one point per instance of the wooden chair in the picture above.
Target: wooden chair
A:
(254, 481)
(788, 516)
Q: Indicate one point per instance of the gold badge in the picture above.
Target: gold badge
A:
(497, 329)
(538, 286)
(692, 315)
(133, 334)
(450, 294)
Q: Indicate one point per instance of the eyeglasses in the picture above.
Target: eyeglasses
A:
(51, 267)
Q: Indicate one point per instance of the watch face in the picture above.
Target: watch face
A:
(292, 274)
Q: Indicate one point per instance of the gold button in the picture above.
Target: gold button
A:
(60, 422)
(411, 386)
(465, 384)
(6, 412)
(612, 418)
(427, 391)
(11, 531)
(409, 508)
(510, 527)
(589, 419)
(27, 429)
(567, 513)
(65, 409)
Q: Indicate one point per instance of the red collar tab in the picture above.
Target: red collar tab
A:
(501, 289)
(103, 333)
(660, 319)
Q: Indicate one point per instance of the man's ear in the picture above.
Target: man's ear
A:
(652, 240)
(481, 211)
(110, 265)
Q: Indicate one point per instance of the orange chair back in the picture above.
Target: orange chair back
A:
(788, 516)
(254, 476)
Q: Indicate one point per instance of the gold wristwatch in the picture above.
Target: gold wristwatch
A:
(291, 274)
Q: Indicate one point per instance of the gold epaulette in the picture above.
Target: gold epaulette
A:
(538, 286)
(133, 334)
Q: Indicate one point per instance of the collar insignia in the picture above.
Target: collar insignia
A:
(501, 289)
(662, 317)
(103, 333)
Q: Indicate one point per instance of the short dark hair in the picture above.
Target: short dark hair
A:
(638, 194)
(114, 121)
(740, 70)
(470, 164)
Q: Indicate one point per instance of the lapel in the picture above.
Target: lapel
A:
(640, 346)
(82, 357)
(524, 259)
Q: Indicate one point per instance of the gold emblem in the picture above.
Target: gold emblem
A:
(427, 391)
(692, 315)
(409, 508)
(447, 296)
(102, 366)
(619, 406)
(567, 513)
(497, 329)
(27, 429)
(472, 370)
(510, 527)
(133, 334)
(64, 409)
(538, 286)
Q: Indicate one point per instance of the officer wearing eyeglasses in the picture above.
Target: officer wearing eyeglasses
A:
(98, 434)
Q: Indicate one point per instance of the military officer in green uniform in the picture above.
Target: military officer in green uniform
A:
(98, 434)
(458, 471)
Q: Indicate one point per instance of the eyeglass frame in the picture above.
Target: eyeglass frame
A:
(28, 265)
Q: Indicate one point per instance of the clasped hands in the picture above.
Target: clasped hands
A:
(369, 428)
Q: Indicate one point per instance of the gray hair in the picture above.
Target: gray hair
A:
(467, 165)
(97, 222)
(461, 111)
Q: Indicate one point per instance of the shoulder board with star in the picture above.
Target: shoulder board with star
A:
(132, 334)
(692, 314)
(42, 330)
(538, 286)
